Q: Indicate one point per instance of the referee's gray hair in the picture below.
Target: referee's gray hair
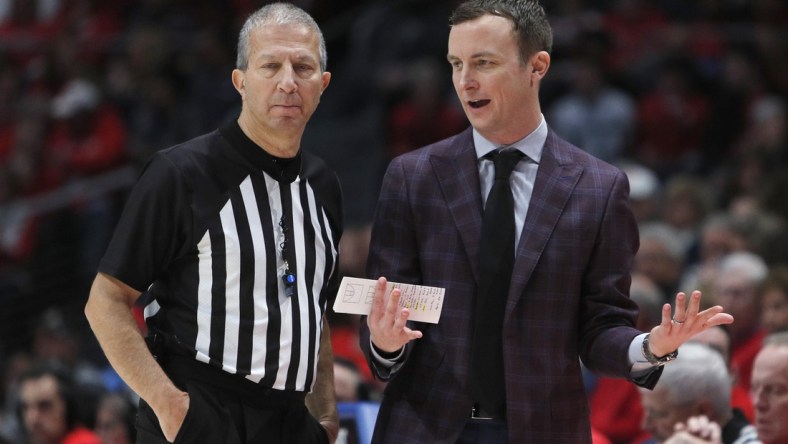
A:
(699, 374)
(281, 14)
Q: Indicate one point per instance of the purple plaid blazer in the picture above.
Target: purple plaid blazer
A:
(568, 295)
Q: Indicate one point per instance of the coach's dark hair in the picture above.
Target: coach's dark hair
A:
(528, 17)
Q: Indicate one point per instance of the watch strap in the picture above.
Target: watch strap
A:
(657, 360)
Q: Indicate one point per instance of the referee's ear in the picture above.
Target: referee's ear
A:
(238, 77)
(325, 79)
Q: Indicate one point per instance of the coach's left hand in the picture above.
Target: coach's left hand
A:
(686, 322)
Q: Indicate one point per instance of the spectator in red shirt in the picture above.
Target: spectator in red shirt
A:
(88, 136)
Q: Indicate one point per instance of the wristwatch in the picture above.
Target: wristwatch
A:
(657, 360)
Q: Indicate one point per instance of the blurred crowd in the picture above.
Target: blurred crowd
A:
(689, 98)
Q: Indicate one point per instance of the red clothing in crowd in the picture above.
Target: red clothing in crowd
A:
(740, 399)
(97, 146)
(81, 435)
(344, 341)
(413, 125)
(743, 356)
(98, 149)
(616, 411)
(598, 438)
(671, 126)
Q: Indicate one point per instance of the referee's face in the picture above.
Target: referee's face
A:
(282, 84)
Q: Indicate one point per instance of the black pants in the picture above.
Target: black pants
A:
(229, 413)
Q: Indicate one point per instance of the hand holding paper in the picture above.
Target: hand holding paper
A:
(356, 296)
(389, 306)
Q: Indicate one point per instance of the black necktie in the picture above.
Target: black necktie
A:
(496, 258)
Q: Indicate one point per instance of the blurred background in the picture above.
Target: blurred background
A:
(689, 98)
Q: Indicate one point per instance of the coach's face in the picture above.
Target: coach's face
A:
(283, 81)
(497, 88)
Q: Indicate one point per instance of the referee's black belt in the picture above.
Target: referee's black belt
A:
(189, 369)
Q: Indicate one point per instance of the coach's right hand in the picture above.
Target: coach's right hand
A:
(387, 321)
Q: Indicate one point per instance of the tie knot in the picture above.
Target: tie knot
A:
(505, 160)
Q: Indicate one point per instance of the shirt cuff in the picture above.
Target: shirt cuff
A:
(385, 362)
(637, 360)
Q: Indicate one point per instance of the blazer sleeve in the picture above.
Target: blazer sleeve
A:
(608, 316)
(393, 251)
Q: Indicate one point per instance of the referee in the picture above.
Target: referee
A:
(231, 239)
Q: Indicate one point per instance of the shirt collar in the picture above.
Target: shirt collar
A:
(530, 145)
(282, 169)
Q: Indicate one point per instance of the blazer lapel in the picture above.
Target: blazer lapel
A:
(556, 178)
(458, 179)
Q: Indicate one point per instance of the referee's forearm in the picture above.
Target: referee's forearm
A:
(321, 402)
(108, 311)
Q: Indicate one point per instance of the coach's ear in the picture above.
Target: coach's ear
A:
(540, 64)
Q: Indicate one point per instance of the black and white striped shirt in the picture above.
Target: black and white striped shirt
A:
(201, 233)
